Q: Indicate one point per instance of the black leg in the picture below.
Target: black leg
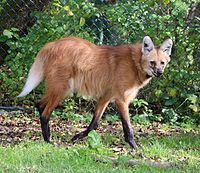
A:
(128, 134)
(45, 128)
(44, 124)
(93, 126)
(40, 109)
(100, 108)
(127, 128)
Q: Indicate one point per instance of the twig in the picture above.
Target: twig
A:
(134, 162)
(15, 108)
(18, 108)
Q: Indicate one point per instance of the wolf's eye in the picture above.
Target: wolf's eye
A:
(152, 63)
(162, 62)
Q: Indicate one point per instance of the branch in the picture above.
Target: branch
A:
(134, 162)
(18, 108)
(15, 108)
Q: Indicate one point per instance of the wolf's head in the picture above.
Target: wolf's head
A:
(154, 59)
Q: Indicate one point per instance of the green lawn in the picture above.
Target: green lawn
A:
(179, 146)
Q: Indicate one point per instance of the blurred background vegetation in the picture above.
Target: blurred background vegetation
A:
(25, 26)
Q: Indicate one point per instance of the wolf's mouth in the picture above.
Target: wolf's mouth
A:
(155, 74)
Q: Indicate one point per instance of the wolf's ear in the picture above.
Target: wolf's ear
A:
(167, 46)
(147, 45)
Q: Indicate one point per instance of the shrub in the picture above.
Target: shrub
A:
(175, 94)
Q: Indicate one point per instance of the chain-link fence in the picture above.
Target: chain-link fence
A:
(17, 14)
(26, 25)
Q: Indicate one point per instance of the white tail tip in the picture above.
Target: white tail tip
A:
(22, 94)
(35, 76)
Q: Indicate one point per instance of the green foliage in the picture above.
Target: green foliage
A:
(94, 140)
(162, 20)
(143, 112)
(169, 115)
(112, 117)
(194, 102)
(57, 21)
(176, 94)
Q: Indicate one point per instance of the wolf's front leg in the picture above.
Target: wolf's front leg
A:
(127, 128)
(100, 108)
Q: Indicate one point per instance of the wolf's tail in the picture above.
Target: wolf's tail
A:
(35, 76)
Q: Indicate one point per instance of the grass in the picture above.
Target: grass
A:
(182, 150)
(158, 143)
(40, 157)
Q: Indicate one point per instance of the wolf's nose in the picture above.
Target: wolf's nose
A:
(159, 73)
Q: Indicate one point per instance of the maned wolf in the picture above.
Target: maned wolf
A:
(108, 73)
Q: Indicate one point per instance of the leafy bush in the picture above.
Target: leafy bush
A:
(180, 83)
(57, 21)
(175, 96)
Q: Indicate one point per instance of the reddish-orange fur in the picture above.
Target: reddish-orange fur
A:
(104, 72)
(97, 70)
